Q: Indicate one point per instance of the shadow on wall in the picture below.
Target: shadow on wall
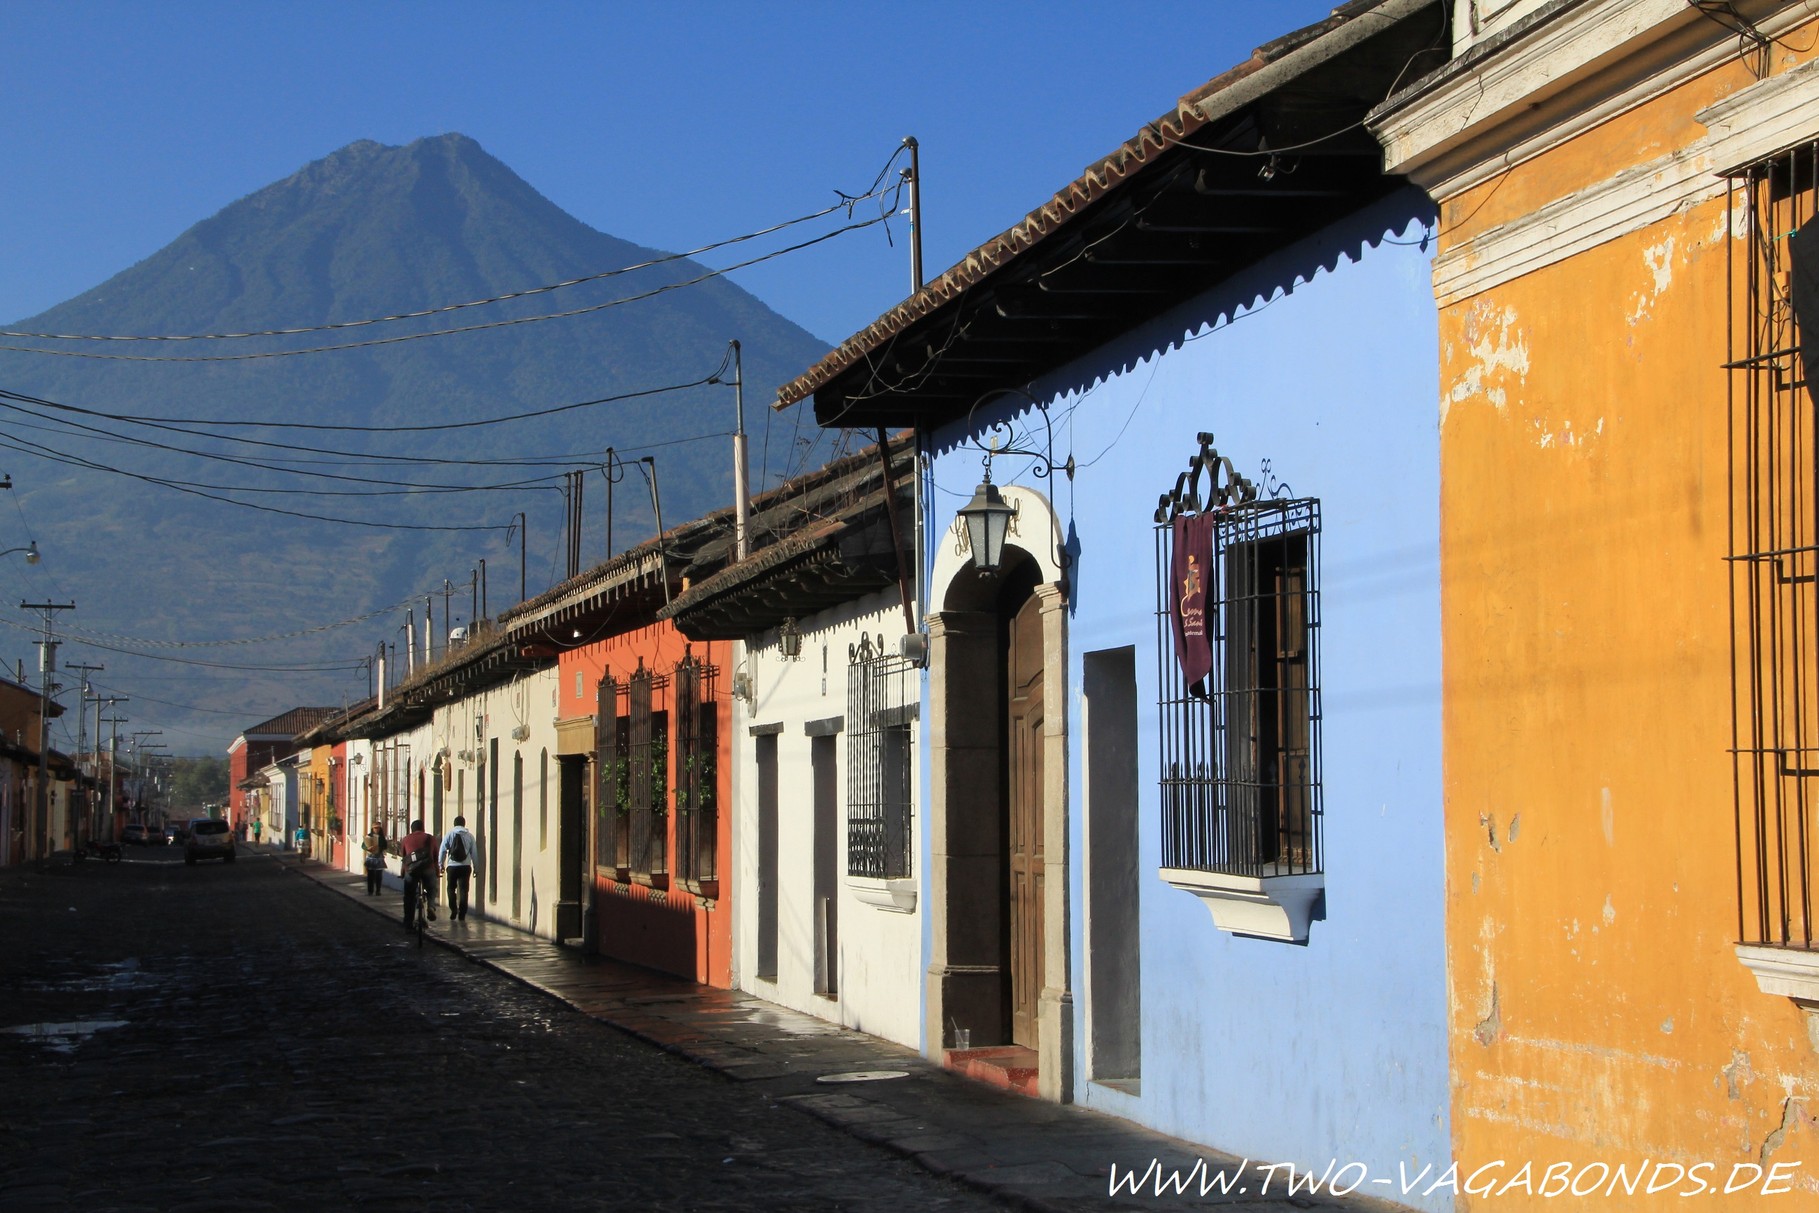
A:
(1390, 220)
(649, 927)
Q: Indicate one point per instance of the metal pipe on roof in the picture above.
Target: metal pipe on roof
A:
(742, 471)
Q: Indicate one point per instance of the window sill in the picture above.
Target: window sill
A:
(1790, 972)
(1267, 907)
(896, 895)
(704, 890)
(651, 880)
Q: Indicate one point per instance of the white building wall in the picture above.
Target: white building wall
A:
(517, 877)
(878, 951)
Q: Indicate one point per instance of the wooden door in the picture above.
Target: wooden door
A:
(1024, 841)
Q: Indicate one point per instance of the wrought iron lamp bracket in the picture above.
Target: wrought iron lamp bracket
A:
(1045, 465)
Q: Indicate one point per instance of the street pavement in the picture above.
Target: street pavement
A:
(263, 1035)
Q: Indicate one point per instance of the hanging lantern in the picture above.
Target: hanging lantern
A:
(988, 521)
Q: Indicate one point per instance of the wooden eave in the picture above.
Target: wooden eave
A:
(1255, 160)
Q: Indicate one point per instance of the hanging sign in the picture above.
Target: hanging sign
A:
(1190, 567)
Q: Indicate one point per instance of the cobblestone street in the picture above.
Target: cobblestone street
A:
(228, 1037)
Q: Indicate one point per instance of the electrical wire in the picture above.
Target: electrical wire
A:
(215, 665)
(846, 203)
(74, 461)
(468, 328)
(530, 414)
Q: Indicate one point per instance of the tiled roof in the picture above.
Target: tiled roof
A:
(291, 723)
(1244, 112)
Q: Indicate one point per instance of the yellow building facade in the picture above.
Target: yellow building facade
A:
(1625, 574)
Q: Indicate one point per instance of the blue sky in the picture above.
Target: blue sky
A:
(671, 125)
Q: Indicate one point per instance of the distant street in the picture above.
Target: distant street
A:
(234, 1038)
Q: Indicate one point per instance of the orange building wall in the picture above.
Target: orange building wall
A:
(1598, 1012)
(669, 929)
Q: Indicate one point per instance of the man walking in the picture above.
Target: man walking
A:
(458, 849)
(419, 851)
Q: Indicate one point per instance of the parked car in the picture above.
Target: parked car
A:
(208, 839)
(174, 834)
(135, 834)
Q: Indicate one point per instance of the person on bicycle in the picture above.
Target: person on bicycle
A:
(419, 851)
(458, 852)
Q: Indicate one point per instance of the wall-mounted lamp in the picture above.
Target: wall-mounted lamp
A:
(789, 640)
(988, 521)
(742, 686)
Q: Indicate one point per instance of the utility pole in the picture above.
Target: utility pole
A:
(113, 749)
(521, 526)
(613, 472)
(82, 716)
(742, 464)
(917, 504)
(657, 508)
(94, 816)
(47, 666)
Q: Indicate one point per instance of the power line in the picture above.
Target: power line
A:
(469, 328)
(32, 448)
(846, 203)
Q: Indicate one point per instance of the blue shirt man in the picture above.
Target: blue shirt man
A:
(459, 850)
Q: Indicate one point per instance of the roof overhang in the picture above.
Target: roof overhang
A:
(1251, 162)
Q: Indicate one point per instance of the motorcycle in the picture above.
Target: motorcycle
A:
(108, 852)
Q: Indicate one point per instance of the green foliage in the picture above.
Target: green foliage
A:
(196, 782)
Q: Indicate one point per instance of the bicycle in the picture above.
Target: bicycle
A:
(423, 896)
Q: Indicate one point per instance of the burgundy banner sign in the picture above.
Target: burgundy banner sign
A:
(1191, 565)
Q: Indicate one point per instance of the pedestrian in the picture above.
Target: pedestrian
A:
(458, 851)
(256, 824)
(419, 851)
(375, 860)
(302, 838)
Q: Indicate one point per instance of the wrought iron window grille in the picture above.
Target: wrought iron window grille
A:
(1240, 753)
(613, 795)
(882, 704)
(1774, 544)
(697, 768)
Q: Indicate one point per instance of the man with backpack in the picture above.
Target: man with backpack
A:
(419, 850)
(458, 850)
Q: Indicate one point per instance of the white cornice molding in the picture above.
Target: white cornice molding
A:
(1750, 124)
(1579, 67)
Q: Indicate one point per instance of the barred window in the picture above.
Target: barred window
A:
(1240, 741)
(648, 754)
(697, 799)
(880, 749)
(612, 803)
(1774, 543)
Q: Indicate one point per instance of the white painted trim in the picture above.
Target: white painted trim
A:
(1791, 972)
(1446, 140)
(1269, 907)
(1036, 531)
(895, 895)
(1752, 123)
(1512, 80)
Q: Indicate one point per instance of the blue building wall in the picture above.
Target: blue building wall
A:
(1322, 361)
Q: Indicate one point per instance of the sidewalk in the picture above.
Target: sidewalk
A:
(1027, 1153)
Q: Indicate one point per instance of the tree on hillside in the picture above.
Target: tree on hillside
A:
(196, 782)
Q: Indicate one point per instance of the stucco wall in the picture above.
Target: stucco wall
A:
(878, 950)
(669, 927)
(1322, 363)
(1599, 1013)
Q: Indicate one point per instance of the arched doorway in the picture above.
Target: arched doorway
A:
(998, 807)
